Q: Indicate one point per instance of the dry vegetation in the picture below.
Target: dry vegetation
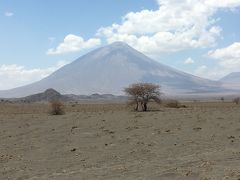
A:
(110, 141)
(142, 94)
(172, 104)
(236, 100)
(56, 107)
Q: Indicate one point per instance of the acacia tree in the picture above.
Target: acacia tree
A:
(142, 93)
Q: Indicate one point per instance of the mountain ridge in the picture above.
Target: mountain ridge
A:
(107, 70)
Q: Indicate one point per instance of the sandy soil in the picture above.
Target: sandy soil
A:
(109, 141)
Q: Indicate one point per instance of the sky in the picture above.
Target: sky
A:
(201, 37)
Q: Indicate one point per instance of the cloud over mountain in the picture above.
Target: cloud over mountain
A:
(73, 43)
(174, 26)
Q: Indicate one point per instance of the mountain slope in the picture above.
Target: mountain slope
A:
(109, 69)
(231, 78)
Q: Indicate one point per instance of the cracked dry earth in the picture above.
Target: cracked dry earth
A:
(109, 141)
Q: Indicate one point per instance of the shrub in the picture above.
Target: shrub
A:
(57, 107)
(174, 104)
(236, 100)
(222, 99)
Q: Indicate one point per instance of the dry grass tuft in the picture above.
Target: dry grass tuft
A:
(57, 108)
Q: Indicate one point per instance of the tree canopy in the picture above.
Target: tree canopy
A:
(142, 93)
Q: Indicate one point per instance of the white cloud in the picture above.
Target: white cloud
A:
(176, 25)
(223, 3)
(227, 61)
(73, 43)
(201, 70)
(189, 61)
(228, 57)
(8, 14)
(61, 63)
(13, 75)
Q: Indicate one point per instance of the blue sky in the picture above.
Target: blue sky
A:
(38, 37)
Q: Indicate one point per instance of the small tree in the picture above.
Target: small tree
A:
(236, 100)
(142, 93)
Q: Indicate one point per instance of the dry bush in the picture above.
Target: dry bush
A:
(174, 104)
(236, 100)
(57, 108)
(222, 99)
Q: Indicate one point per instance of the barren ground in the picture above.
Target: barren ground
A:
(109, 141)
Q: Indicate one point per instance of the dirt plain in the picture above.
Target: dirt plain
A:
(110, 141)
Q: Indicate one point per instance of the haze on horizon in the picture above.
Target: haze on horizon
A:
(200, 37)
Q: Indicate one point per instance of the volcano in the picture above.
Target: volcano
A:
(107, 70)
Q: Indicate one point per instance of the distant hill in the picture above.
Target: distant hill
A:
(232, 81)
(48, 95)
(51, 95)
(232, 78)
(109, 69)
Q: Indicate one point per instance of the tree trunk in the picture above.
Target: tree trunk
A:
(142, 106)
(136, 108)
(145, 107)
